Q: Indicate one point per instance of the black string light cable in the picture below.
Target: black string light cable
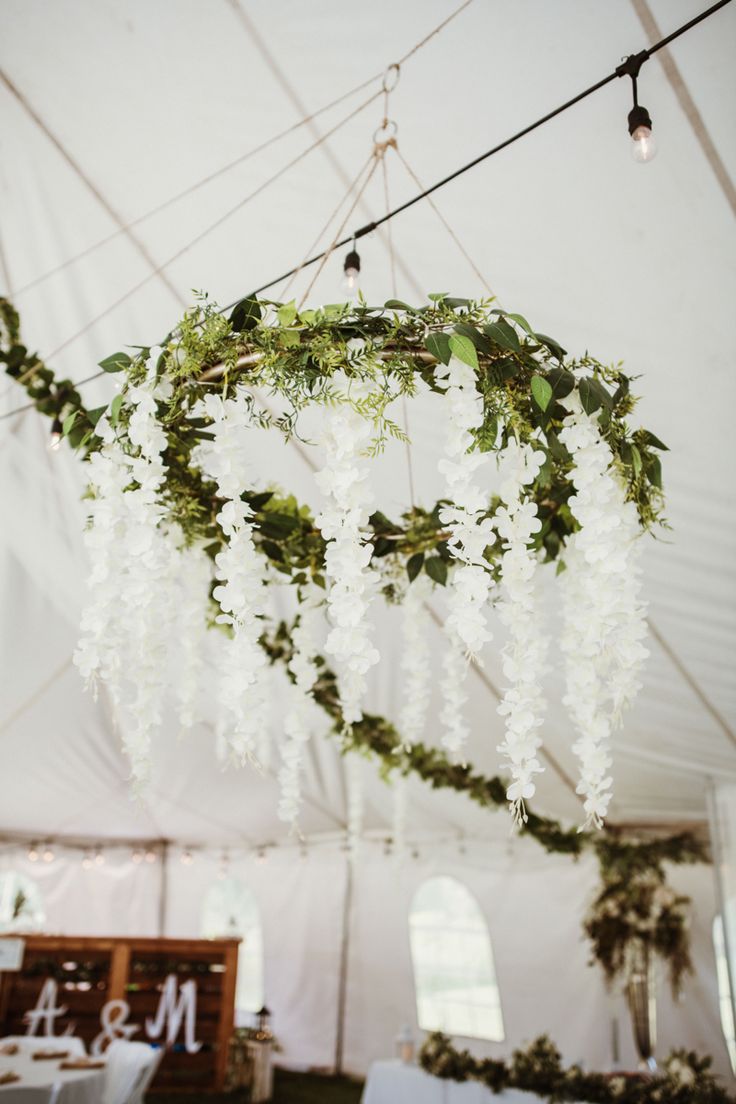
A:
(630, 67)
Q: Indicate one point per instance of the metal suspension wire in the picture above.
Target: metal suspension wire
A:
(241, 159)
(620, 71)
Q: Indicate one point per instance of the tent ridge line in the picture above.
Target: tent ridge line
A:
(692, 683)
(141, 248)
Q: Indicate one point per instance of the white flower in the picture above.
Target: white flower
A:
(604, 617)
(470, 533)
(241, 592)
(194, 573)
(352, 581)
(524, 656)
(127, 622)
(299, 722)
(415, 665)
(470, 581)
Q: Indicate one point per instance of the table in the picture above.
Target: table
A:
(391, 1082)
(44, 1083)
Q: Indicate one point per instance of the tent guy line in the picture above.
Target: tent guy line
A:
(620, 71)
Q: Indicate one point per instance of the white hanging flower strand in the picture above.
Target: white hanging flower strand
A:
(352, 582)
(453, 695)
(525, 652)
(102, 641)
(298, 723)
(126, 624)
(194, 574)
(604, 618)
(415, 661)
(241, 591)
(470, 581)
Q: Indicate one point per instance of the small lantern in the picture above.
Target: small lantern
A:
(263, 1025)
(405, 1045)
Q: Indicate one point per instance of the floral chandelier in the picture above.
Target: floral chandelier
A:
(183, 533)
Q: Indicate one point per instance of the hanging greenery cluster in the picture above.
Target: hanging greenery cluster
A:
(636, 906)
(577, 484)
(685, 1077)
(152, 449)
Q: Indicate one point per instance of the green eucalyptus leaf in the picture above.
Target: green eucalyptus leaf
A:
(554, 346)
(541, 391)
(286, 313)
(246, 314)
(500, 335)
(521, 321)
(68, 423)
(464, 349)
(438, 345)
(436, 568)
(116, 362)
(655, 442)
(589, 398)
(115, 407)
(654, 471)
(414, 565)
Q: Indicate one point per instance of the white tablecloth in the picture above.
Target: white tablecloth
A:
(396, 1083)
(42, 1082)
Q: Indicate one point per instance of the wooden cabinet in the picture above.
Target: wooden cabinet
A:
(90, 972)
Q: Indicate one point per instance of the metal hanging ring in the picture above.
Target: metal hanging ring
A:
(384, 133)
(391, 77)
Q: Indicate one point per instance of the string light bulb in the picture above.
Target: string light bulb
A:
(48, 854)
(643, 142)
(351, 268)
(137, 856)
(33, 853)
(88, 861)
(150, 855)
(99, 858)
(57, 432)
(187, 858)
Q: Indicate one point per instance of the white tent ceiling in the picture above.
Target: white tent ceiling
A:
(111, 107)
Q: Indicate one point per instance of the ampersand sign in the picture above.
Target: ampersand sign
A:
(113, 1019)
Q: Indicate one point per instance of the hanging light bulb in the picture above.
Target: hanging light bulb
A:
(33, 853)
(137, 856)
(57, 431)
(88, 861)
(644, 145)
(48, 854)
(187, 858)
(150, 855)
(351, 269)
(99, 858)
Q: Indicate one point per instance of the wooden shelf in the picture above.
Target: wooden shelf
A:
(91, 971)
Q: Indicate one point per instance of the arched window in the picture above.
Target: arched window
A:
(21, 904)
(724, 990)
(230, 911)
(454, 976)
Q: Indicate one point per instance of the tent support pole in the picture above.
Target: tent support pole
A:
(342, 989)
(163, 888)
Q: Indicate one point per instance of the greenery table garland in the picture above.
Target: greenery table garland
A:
(684, 1078)
(166, 416)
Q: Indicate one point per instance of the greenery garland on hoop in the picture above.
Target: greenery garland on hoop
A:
(522, 377)
(684, 1078)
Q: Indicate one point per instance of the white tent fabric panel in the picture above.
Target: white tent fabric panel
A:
(301, 903)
